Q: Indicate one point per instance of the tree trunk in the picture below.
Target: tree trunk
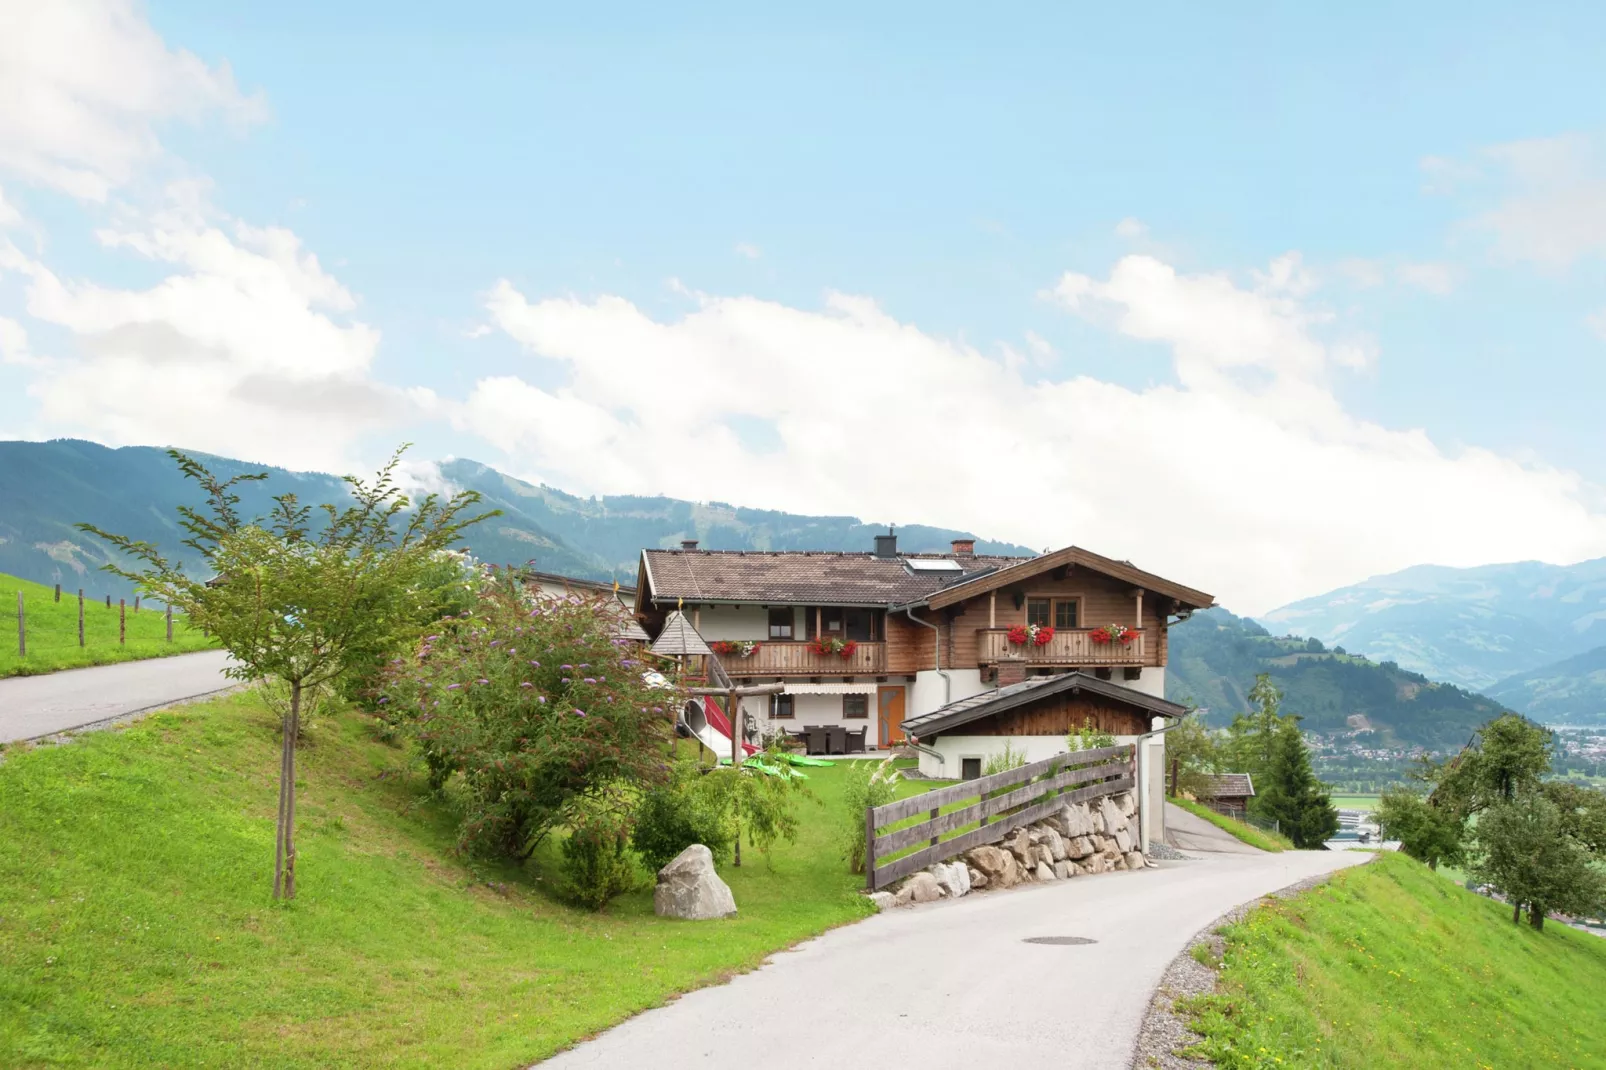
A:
(1536, 916)
(284, 865)
(1516, 912)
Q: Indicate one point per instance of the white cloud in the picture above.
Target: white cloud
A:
(242, 348)
(1597, 323)
(749, 250)
(1131, 228)
(84, 86)
(1553, 209)
(1432, 278)
(1245, 477)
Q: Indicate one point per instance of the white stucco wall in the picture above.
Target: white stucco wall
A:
(733, 622)
(927, 694)
(1151, 681)
(954, 748)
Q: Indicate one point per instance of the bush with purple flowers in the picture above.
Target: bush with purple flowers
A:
(531, 747)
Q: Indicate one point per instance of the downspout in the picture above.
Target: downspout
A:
(936, 641)
(1144, 773)
(915, 745)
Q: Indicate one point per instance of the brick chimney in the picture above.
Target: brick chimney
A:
(964, 547)
(688, 544)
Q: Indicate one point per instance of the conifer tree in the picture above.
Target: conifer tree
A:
(1291, 794)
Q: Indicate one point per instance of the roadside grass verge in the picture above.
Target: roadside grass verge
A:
(136, 927)
(1389, 964)
(53, 631)
(1264, 839)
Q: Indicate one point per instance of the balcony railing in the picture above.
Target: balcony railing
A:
(1069, 647)
(785, 658)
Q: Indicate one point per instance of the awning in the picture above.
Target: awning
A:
(830, 689)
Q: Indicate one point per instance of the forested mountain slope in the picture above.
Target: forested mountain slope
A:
(1215, 657)
(1572, 691)
(47, 487)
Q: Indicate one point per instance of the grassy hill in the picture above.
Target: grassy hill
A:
(1392, 965)
(47, 487)
(1216, 655)
(52, 631)
(136, 927)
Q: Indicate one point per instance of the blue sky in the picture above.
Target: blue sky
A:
(650, 188)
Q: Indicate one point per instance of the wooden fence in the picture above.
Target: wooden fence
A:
(1004, 802)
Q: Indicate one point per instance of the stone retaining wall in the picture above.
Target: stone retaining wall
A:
(1076, 839)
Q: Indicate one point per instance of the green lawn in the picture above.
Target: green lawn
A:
(1254, 837)
(136, 927)
(1356, 802)
(1389, 964)
(52, 629)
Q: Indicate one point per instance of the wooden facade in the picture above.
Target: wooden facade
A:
(1057, 715)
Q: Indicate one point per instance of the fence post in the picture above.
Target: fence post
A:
(58, 592)
(122, 622)
(869, 847)
(1175, 771)
(136, 603)
(80, 618)
(22, 629)
(170, 639)
(108, 601)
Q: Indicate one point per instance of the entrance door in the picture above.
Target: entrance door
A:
(890, 702)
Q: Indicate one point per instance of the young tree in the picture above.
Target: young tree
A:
(1524, 850)
(1509, 758)
(1292, 795)
(1192, 750)
(1252, 737)
(1431, 834)
(298, 602)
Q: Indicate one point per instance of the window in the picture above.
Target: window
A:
(855, 707)
(969, 768)
(1065, 613)
(781, 622)
(1040, 611)
(783, 707)
(860, 625)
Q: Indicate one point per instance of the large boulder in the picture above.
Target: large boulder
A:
(1123, 842)
(883, 900)
(1114, 819)
(1056, 845)
(1077, 820)
(978, 879)
(689, 888)
(1098, 821)
(989, 860)
(1134, 860)
(1126, 803)
(1044, 872)
(1064, 870)
(1019, 844)
(953, 877)
(1079, 848)
(921, 887)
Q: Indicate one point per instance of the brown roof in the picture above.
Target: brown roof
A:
(806, 577)
(1033, 688)
(1076, 557)
(1230, 786)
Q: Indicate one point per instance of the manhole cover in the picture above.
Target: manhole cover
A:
(1059, 940)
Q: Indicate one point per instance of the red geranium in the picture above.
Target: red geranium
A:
(1017, 635)
(1044, 635)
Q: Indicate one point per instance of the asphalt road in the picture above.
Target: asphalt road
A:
(1190, 833)
(954, 984)
(34, 706)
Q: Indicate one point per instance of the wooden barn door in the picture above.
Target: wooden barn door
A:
(889, 701)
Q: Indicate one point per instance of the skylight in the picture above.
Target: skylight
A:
(931, 564)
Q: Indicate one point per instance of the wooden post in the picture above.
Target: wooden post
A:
(136, 603)
(170, 624)
(122, 622)
(58, 592)
(736, 760)
(22, 629)
(108, 601)
(1138, 624)
(80, 617)
(1175, 770)
(869, 847)
(992, 609)
(935, 811)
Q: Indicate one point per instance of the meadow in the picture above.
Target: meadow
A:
(52, 631)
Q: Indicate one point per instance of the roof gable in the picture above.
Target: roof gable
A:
(1034, 689)
(1074, 556)
(800, 577)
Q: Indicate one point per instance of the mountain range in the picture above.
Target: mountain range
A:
(48, 487)
(1529, 634)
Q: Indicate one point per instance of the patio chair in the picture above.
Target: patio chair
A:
(856, 741)
(836, 739)
(816, 737)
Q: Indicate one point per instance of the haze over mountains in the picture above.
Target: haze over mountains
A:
(1528, 635)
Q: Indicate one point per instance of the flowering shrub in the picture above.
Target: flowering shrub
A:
(676, 814)
(542, 714)
(1113, 633)
(826, 645)
(741, 647)
(1035, 634)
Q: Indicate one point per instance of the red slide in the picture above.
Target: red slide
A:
(719, 723)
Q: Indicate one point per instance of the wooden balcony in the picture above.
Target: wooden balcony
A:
(783, 658)
(1070, 648)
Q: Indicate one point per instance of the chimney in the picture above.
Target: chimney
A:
(688, 544)
(886, 545)
(964, 547)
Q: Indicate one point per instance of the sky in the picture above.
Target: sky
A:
(1265, 298)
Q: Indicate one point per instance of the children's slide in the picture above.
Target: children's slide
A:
(708, 722)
